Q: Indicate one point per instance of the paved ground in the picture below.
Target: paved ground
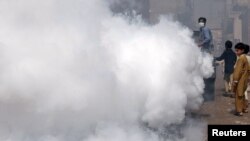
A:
(221, 110)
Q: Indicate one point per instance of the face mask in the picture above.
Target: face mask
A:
(201, 24)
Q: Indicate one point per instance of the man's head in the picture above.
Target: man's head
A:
(246, 49)
(228, 44)
(239, 49)
(202, 21)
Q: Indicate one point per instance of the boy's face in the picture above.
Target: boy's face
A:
(239, 51)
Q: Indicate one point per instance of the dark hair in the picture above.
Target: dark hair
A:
(202, 19)
(246, 49)
(228, 44)
(240, 46)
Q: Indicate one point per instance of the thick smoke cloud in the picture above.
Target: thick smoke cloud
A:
(70, 71)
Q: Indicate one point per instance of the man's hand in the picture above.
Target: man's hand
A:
(234, 86)
(233, 89)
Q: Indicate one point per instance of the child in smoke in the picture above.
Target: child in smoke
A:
(229, 58)
(240, 78)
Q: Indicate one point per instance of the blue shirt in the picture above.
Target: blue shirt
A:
(229, 58)
(206, 37)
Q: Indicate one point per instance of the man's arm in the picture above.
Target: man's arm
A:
(222, 57)
(207, 36)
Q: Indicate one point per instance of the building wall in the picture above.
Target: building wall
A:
(188, 11)
(241, 2)
(132, 8)
(240, 14)
(213, 10)
(228, 19)
(237, 29)
(175, 8)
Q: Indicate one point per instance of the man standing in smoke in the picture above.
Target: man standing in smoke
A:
(205, 43)
(205, 38)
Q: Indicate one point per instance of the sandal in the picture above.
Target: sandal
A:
(245, 111)
(239, 114)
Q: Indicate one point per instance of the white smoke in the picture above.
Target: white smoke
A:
(70, 71)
